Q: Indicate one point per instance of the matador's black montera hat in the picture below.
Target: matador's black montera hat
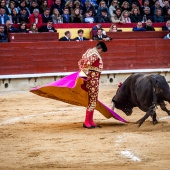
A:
(102, 45)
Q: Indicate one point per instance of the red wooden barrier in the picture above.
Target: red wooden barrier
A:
(32, 37)
(137, 35)
(43, 57)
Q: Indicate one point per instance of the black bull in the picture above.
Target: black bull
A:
(145, 91)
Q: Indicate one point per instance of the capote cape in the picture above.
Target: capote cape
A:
(71, 89)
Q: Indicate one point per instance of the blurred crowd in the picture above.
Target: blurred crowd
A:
(84, 11)
(49, 12)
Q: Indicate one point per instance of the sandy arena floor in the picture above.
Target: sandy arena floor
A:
(40, 133)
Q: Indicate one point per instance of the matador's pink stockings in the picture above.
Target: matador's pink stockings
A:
(87, 119)
(91, 119)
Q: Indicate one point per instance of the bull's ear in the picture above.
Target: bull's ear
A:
(157, 83)
(153, 81)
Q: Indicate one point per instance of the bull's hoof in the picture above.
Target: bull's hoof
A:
(137, 122)
(155, 122)
(140, 122)
(139, 125)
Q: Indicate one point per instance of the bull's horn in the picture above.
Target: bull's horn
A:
(113, 105)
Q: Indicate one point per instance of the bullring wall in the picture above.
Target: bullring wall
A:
(50, 57)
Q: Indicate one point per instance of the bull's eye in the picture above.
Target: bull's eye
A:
(160, 90)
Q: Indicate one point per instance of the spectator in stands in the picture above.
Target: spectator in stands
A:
(167, 36)
(23, 27)
(146, 15)
(3, 17)
(146, 3)
(152, 2)
(104, 18)
(155, 7)
(24, 15)
(34, 5)
(167, 27)
(125, 17)
(9, 28)
(88, 6)
(125, 6)
(81, 2)
(102, 5)
(35, 17)
(77, 17)
(108, 2)
(135, 5)
(47, 28)
(67, 36)
(158, 16)
(149, 26)
(57, 5)
(165, 8)
(95, 29)
(51, 2)
(89, 18)
(94, 3)
(116, 18)
(56, 17)
(167, 16)
(3, 5)
(33, 28)
(135, 16)
(114, 5)
(113, 28)
(91, 12)
(139, 27)
(139, 3)
(23, 6)
(77, 4)
(46, 16)
(43, 6)
(80, 36)
(69, 5)
(14, 17)
(97, 26)
(101, 37)
(66, 16)
(11, 6)
(161, 3)
(3, 36)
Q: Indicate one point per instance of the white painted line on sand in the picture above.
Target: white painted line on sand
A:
(119, 140)
(130, 155)
(163, 118)
(126, 153)
(18, 119)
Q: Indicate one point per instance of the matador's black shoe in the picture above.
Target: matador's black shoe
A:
(97, 126)
(88, 127)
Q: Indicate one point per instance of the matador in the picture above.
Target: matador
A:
(92, 65)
